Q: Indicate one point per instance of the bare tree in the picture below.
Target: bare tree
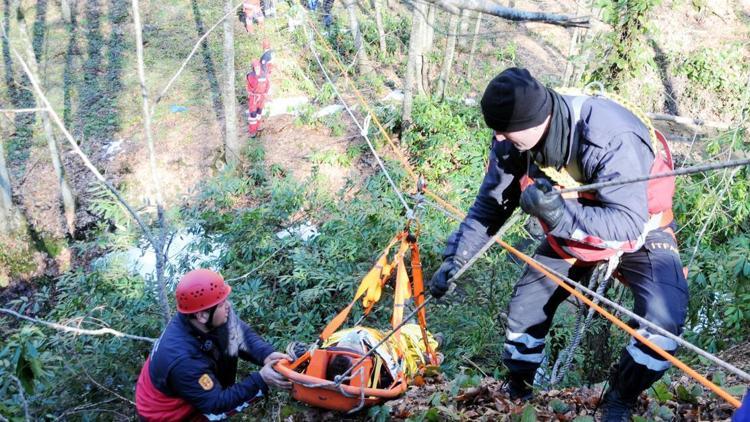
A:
(66, 193)
(379, 23)
(473, 49)
(159, 242)
(359, 45)
(450, 48)
(8, 214)
(66, 10)
(464, 28)
(418, 12)
(232, 143)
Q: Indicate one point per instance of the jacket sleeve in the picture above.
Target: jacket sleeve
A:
(622, 211)
(253, 347)
(193, 380)
(497, 198)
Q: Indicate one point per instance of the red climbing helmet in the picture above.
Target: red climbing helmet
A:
(199, 290)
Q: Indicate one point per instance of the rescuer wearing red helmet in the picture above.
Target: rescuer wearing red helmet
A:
(190, 373)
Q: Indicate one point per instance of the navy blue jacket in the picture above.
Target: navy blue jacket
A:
(607, 142)
(183, 359)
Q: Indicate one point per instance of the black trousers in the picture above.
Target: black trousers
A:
(654, 275)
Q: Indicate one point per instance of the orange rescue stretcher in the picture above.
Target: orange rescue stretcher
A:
(308, 372)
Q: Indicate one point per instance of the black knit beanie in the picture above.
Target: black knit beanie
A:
(515, 101)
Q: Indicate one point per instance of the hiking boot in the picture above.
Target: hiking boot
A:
(519, 386)
(615, 408)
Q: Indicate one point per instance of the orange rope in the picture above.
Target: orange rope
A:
(530, 261)
(661, 352)
(364, 103)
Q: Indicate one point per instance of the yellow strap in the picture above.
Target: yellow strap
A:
(370, 284)
(402, 290)
(562, 177)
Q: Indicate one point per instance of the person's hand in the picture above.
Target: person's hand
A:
(275, 357)
(439, 284)
(273, 378)
(544, 202)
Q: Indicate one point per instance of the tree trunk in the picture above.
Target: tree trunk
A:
(474, 41)
(66, 11)
(8, 214)
(361, 52)
(411, 65)
(66, 194)
(429, 35)
(569, 66)
(427, 40)
(158, 243)
(232, 143)
(379, 23)
(450, 48)
(463, 29)
(419, 48)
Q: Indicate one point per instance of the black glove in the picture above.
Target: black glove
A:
(544, 202)
(242, 16)
(439, 283)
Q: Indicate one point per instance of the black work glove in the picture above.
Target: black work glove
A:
(242, 16)
(439, 283)
(543, 201)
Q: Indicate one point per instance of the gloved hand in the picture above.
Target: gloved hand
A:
(543, 201)
(439, 283)
(242, 16)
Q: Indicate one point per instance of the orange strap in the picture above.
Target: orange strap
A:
(418, 290)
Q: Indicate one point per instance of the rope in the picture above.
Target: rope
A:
(585, 315)
(362, 128)
(496, 238)
(557, 278)
(680, 172)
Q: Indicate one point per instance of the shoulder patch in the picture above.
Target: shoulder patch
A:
(206, 382)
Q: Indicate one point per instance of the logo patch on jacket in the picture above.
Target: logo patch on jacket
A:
(206, 382)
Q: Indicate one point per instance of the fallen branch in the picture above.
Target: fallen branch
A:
(689, 121)
(22, 110)
(80, 331)
(492, 8)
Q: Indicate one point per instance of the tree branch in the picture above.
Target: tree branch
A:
(22, 110)
(491, 8)
(81, 331)
(77, 149)
(190, 56)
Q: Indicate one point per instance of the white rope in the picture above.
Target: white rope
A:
(659, 330)
(363, 128)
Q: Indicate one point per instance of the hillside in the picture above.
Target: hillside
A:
(311, 167)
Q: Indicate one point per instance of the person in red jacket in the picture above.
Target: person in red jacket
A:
(190, 374)
(251, 14)
(258, 86)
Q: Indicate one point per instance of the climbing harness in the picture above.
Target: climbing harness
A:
(358, 386)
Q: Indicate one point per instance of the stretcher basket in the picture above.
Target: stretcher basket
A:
(351, 393)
